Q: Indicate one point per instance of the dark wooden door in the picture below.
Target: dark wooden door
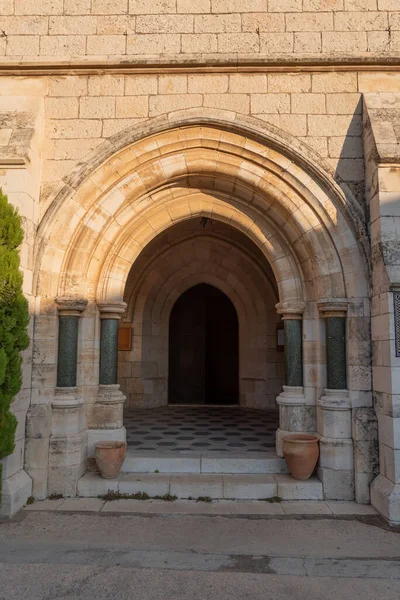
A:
(203, 348)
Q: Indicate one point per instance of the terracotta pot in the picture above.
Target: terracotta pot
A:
(301, 453)
(109, 458)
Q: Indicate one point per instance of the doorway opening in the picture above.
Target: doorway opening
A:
(203, 348)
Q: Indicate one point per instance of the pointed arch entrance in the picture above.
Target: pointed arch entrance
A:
(278, 195)
(203, 348)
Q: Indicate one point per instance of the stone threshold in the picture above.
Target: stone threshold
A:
(218, 507)
(195, 485)
(205, 462)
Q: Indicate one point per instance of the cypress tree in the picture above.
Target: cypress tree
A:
(14, 320)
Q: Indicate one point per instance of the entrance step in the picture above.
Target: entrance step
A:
(195, 485)
(215, 462)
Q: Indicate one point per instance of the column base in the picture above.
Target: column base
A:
(67, 449)
(291, 396)
(108, 409)
(385, 498)
(15, 492)
(295, 416)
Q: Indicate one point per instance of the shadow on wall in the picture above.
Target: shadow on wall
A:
(349, 152)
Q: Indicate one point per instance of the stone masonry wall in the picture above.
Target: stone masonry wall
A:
(321, 109)
(152, 27)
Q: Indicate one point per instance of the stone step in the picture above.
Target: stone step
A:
(194, 485)
(173, 462)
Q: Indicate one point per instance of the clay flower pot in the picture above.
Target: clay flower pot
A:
(109, 458)
(301, 453)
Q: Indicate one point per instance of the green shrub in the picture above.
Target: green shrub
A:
(14, 320)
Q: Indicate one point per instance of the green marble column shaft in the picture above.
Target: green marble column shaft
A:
(109, 352)
(336, 353)
(67, 350)
(293, 352)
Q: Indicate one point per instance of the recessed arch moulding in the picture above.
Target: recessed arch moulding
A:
(242, 173)
(175, 261)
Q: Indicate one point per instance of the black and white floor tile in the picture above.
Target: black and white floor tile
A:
(201, 429)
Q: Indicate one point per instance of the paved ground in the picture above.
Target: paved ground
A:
(201, 429)
(74, 555)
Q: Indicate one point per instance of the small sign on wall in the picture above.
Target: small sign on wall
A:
(280, 337)
(125, 335)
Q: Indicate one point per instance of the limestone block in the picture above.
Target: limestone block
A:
(322, 21)
(308, 103)
(67, 421)
(285, 5)
(199, 43)
(106, 416)
(63, 45)
(336, 454)
(289, 83)
(97, 108)
(238, 42)
(69, 25)
(307, 42)
(334, 423)
(210, 84)
(189, 7)
(164, 24)
(106, 44)
(67, 452)
(389, 462)
(36, 454)
(38, 421)
(142, 7)
(217, 23)
(337, 485)
(334, 83)
(64, 479)
(274, 42)
(15, 492)
(154, 43)
(270, 103)
(362, 483)
(385, 497)
(263, 22)
(104, 7)
(297, 418)
(14, 462)
(389, 431)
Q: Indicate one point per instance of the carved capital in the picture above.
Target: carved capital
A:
(291, 309)
(333, 307)
(111, 310)
(70, 306)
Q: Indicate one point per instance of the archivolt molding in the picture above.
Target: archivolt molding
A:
(247, 176)
(210, 260)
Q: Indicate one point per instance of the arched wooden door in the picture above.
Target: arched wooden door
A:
(203, 348)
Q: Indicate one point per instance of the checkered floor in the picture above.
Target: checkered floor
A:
(201, 429)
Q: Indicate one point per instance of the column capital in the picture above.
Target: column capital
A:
(291, 309)
(70, 306)
(333, 307)
(111, 310)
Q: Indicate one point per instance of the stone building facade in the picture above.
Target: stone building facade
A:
(152, 146)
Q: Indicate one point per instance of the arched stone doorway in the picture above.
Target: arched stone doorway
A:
(203, 348)
(278, 195)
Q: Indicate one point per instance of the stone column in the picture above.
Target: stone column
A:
(107, 418)
(334, 419)
(294, 415)
(67, 452)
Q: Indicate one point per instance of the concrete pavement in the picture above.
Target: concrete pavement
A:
(50, 555)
